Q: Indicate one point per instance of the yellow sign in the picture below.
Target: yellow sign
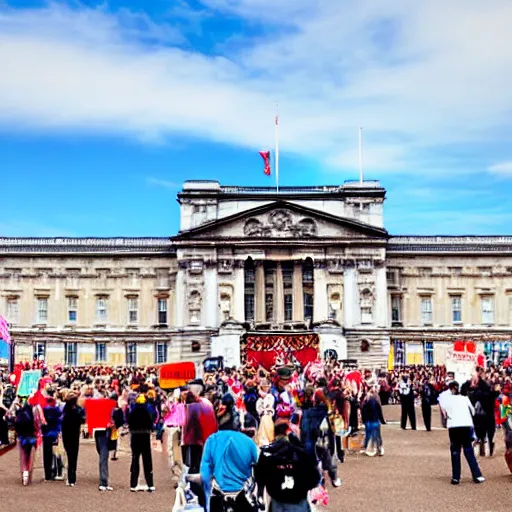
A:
(391, 358)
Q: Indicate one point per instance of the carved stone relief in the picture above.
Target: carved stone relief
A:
(225, 266)
(194, 306)
(281, 223)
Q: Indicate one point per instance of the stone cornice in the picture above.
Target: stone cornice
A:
(85, 245)
(449, 244)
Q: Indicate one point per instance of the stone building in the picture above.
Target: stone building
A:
(251, 270)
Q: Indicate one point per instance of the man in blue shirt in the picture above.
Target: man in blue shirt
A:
(226, 466)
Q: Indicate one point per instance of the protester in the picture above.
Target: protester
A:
(460, 412)
(72, 421)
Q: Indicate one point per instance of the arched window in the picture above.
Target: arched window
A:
(307, 289)
(249, 291)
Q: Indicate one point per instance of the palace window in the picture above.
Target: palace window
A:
(13, 311)
(249, 285)
(160, 352)
(287, 272)
(131, 354)
(456, 309)
(72, 309)
(399, 353)
(42, 311)
(71, 354)
(428, 353)
(288, 307)
(366, 308)
(162, 311)
(101, 352)
(101, 309)
(487, 310)
(307, 289)
(396, 308)
(334, 306)
(133, 310)
(426, 310)
(40, 351)
(270, 275)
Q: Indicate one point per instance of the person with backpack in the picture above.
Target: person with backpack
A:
(428, 399)
(72, 421)
(287, 472)
(226, 470)
(51, 430)
(140, 420)
(26, 431)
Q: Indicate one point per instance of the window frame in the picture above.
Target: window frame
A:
(131, 352)
(12, 318)
(39, 310)
(73, 353)
(428, 353)
(455, 310)
(162, 313)
(131, 301)
(489, 299)
(426, 315)
(98, 316)
(288, 307)
(165, 346)
(399, 309)
(399, 355)
(98, 353)
(72, 308)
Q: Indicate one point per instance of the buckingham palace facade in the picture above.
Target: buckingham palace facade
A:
(250, 262)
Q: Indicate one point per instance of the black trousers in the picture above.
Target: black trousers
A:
(192, 454)
(426, 409)
(485, 428)
(408, 411)
(141, 446)
(72, 446)
(49, 473)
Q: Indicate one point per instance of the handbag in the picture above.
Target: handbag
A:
(181, 505)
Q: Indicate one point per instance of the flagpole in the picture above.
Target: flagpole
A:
(361, 155)
(277, 149)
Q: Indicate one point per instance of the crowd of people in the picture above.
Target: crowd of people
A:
(245, 432)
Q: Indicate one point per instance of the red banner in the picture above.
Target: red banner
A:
(98, 413)
(266, 159)
(174, 375)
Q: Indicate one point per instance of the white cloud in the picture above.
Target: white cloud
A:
(415, 75)
(163, 183)
(502, 168)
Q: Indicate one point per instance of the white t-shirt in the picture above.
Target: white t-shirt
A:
(459, 411)
(442, 397)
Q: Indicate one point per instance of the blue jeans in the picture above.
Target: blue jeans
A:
(372, 435)
(101, 439)
(461, 438)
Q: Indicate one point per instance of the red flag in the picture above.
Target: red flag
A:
(266, 158)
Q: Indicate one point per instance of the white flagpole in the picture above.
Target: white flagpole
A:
(361, 155)
(276, 155)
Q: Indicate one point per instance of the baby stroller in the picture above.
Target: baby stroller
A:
(185, 499)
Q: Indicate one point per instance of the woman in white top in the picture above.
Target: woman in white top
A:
(459, 412)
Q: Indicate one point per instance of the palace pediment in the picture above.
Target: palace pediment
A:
(282, 220)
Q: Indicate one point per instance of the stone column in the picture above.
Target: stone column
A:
(381, 314)
(180, 299)
(238, 300)
(320, 300)
(211, 296)
(298, 294)
(279, 295)
(259, 299)
(351, 311)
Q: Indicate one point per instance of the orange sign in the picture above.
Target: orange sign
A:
(174, 375)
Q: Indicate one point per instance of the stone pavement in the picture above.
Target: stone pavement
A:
(413, 475)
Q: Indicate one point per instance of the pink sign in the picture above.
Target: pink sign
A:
(4, 330)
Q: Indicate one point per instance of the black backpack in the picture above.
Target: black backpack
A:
(24, 422)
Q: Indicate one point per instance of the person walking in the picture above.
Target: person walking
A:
(26, 429)
(72, 421)
(140, 422)
(53, 465)
(459, 412)
(428, 398)
(372, 417)
(406, 392)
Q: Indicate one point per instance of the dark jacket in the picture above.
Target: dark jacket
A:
(140, 419)
(72, 420)
(371, 412)
(53, 418)
(287, 472)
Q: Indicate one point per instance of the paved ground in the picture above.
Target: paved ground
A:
(413, 475)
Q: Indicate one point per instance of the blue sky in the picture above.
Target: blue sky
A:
(107, 106)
